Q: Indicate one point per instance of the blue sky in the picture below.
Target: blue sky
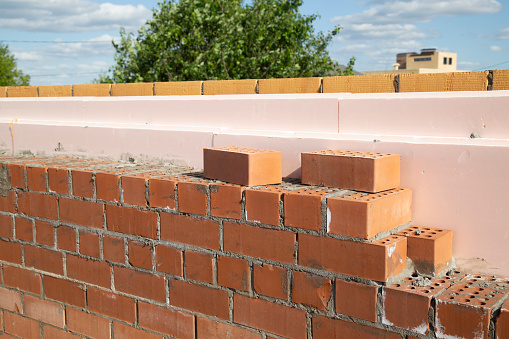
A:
(69, 41)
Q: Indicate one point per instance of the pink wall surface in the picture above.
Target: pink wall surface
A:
(458, 182)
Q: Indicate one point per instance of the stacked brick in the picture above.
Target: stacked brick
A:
(101, 249)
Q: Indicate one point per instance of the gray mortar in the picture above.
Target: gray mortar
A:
(5, 181)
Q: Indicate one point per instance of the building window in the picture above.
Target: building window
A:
(450, 61)
(422, 59)
(445, 61)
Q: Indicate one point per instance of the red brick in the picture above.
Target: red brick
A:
(22, 279)
(169, 260)
(89, 244)
(356, 300)
(8, 203)
(24, 229)
(312, 290)
(429, 248)
(124, 331)
(17, 175)
(364, 215)
(226, 201)
(111, 304)
(36, 179)
(261, 243)
(192, 197)
(140, 254)
(242, 166)
(303, 208)
(45, 233)
(378, 260)
(233, 273)
(141, 284)
(209, 329)
(44, 259)
(45, 311)
(20, 326)
(335, 328)
(359, 171)
(64, 290)
(58, 180)
(199, 299)
(131, 221)
(113, 248)
(83, 184)
(66, 237)
(55, 333)
(161, 193)
(90, 271)
(10, 251)
(163, 320)
(262, 205)
(38, 205)
(188, 230)
(107, 186)
(199, 266)
(270, 317)
(467, 306)
(502, 323)
(133, 190)
(6, 226)
(10, 300)
(79, 212)
(87, 324)
(271, 281)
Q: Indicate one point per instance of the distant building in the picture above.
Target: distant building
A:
(428, 61)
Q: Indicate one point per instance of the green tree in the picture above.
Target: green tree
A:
(223, 39)
(10, 75)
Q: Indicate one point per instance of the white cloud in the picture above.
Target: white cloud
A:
(503, 34)
(414, 11)
(27, 56)
(99, 46)
(495, 48)
(70, 15)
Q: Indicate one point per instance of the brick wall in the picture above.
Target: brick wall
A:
(100, 249)
(383, 83)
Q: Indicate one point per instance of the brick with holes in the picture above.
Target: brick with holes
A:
(467, 307)
(358, 171)
(429, 248)
(243, 166)
(364, 215)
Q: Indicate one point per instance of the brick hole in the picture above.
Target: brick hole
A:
(477, 276)
(465, 300)
(439, 231)
(409, 279)
(426, 291)
(451, 298)
(412, 287)
(480, 303)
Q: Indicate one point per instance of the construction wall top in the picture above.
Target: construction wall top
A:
(382, 83)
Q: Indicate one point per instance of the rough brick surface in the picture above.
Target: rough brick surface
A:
(378, 260)
(199, 299)
(55, 91)
(364, 215)
(168, 260)
(271, 317)
(66, 237)
(216, 87)
(242, 166)
(24, 229)
(132, 89)
(90, 244)
(189, 230)
(162, 193)
(111, 304)
(192, 197)
(501, 80)
(359, 171)
(65, 291)
(83, 184)
(163, 320)
(22, 279)
(113, 249)
(87, 324)
(10, 300)
(209, 329)
(261, 243)
(199, 266)
(133, 190)
(226, 201)
(58, 180)
(441, 82)
(45, 233)
(233, 273)
(356, 300)
(92, 90)
(131, 221)
(271, 281)
(36, 179)
(262, 206)
(20, 326)
(107, 186)
(44, 259)
(48, 312)
(140, 284)
(8, 203)
(90, 271)
(312, 290)
(10, 251)
(140, 254)
(335, 328)
(38, 205)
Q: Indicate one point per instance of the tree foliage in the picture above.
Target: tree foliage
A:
(10, 75)
(221, 40)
